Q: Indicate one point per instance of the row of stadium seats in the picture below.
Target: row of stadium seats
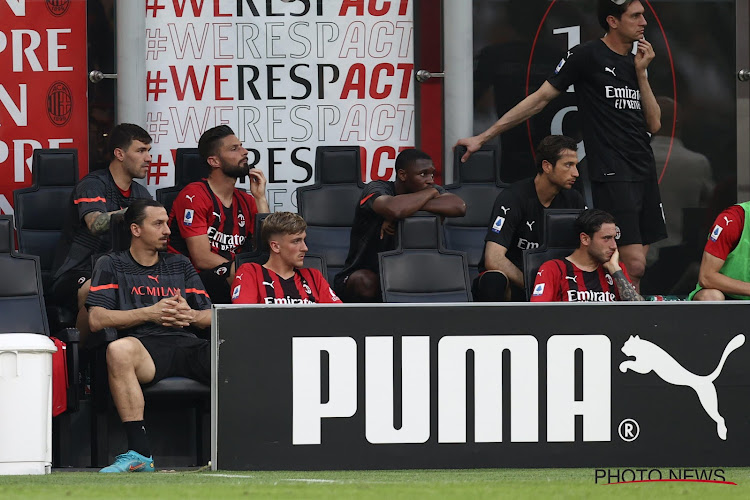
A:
(327, 206)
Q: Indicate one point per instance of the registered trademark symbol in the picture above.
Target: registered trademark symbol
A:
(629, 430)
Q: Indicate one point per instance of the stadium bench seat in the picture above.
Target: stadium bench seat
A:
(477, 182)
(421, 269)
(40, 213)
(328, 205)
(188, 167)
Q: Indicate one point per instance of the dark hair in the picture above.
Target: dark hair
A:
(122, 135)
(208, 142)
(551, 147)
(409, 156)
(590, 221)
(608, 8)
(281, 223)
(136, 213)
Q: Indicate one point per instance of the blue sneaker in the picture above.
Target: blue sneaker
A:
(131, 462)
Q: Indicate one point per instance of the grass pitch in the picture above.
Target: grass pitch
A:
(406, 484)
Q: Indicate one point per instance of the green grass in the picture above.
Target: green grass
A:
(407, 484)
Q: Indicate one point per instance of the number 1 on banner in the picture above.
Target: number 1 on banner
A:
(574, 38)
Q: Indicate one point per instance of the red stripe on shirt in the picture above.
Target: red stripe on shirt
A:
(196, 290)
(104, 287)
(89, 200)
(364, 200)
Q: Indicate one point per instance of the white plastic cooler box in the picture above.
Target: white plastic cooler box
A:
(25, 403)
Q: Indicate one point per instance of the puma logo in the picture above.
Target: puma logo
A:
(530, 224)
(610, 70)
(218, 216)
(572, 278)
(190, 197)
(505, 210)
(650, 356)
(539, 273)
(728, 220)
(269, 284)
(155, 278)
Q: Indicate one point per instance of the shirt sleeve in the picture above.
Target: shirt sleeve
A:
(191, 210)
(323, 290)
(195, 292)
(244, 286)
(90, 196)
(569, 69)
(372, 192)
(726, 232)
(506, 216)
(104, 287)
(547, 283)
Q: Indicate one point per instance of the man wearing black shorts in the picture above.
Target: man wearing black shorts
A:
(151, 297)
(619, 111)
(381, 205)
(97, 197)
(518, 218)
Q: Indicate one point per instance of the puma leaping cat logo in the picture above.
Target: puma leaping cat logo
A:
(610, 70)
(650, 356)
(505, 210)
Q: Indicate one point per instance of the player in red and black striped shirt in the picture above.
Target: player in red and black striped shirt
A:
(212, 220)
(151, 297)
(593, 272)
(282, 279)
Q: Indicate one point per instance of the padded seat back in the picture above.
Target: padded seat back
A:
(21, 297)
(560, 239)
(328, 206)
(188, 167)
(41, 209)
(421, 269)
(559, 228)
(478, 183)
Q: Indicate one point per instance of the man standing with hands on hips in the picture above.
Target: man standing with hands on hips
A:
(619, 112)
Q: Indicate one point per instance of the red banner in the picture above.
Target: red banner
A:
(43, 86)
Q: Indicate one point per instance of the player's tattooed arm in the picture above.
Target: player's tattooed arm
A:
(98, 222)
(626, 288)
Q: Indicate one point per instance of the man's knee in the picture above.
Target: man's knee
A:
(635, 261)
(123, 352)
(491, 286)
(709, 294)
(363, 283)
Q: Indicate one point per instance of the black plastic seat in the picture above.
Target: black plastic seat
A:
(560, 239)
(41, 208)
(188, 167)
(328, 205)
(478, 183)
(421, 269)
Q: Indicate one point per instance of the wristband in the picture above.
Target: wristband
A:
(221, 269)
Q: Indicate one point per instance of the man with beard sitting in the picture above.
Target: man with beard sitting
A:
(212, 220)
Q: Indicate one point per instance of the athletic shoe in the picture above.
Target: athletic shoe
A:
(131, 462)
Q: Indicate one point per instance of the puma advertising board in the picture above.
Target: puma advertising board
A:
(469, 385)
